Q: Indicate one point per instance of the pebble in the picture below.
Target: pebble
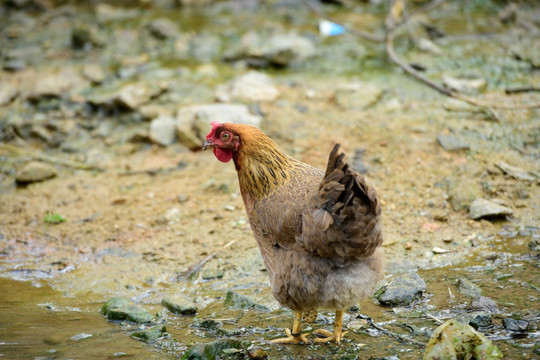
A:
(150, 335)
(452, 142)
(465, 85)
(402, 290)
(80, 336)
(484, 303)
(482, 208)
(182, 198)
(35, 171)
(172, 215)
(468, 288)
(230, 208)
(162, 130)
(462, 192)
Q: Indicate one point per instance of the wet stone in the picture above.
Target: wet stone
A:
(468, 288)
(80, 336)
(150, 335)
(402, 290)
(239, 301)
(515, 324)
(121, 309)
(486, 304)
(452, 142)
(218, 349)
(482, 208)
(476, 319)
(35, 171)
(179, 306)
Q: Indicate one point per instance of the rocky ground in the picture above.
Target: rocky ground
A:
(104, 193)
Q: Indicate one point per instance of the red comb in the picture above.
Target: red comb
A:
(215, 125)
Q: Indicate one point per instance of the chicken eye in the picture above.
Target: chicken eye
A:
(225, 136)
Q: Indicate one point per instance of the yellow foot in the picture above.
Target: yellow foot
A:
(291, 339)
(328, 336)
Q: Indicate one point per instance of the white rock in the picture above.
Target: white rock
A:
(253, 86)
(162, 130)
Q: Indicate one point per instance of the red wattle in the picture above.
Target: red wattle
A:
(223, 155)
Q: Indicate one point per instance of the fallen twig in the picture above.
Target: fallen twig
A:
(48, 158)
(198, 265)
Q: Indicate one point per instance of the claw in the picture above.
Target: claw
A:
(291, 339)
(338, 333)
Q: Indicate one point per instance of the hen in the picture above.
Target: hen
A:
(319, 233)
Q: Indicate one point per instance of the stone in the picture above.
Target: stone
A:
(80, 336)
(83, 37)
(250, 87)
(486, 304)
(468, 288)
(217, 349)
(515, 324)
(150, 335)
(358, 95)
(8, 92)
(95, 73)
(482, 208)
(515, 172)
(35, 171)
(132, 96)
(163, 28)
(464, 85)
(455, 340)
(162, 130)
(402, 290)
(105, 12)
(452, 142)
(121, 309)
(462, 192)
(286, 49)
(56, 84)
(426, 45)
(179, 306)
(239, 301)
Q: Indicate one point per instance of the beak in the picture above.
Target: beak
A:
(208, 143)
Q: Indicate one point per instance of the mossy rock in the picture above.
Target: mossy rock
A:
(122, 309)
(179, 306)
(239, 301)
(150, 335)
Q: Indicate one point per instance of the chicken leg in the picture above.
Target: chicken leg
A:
(338, 333)
(295, 336)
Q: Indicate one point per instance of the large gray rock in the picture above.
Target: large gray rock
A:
(35, 171)
(462, 192)
(56, 84)
(239, 301)
(8, 92)
(401, 290)
(486, 304)
(482, 208)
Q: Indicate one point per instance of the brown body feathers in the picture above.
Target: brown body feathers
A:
(319, 232)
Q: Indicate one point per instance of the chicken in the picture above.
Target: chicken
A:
(319, 233)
